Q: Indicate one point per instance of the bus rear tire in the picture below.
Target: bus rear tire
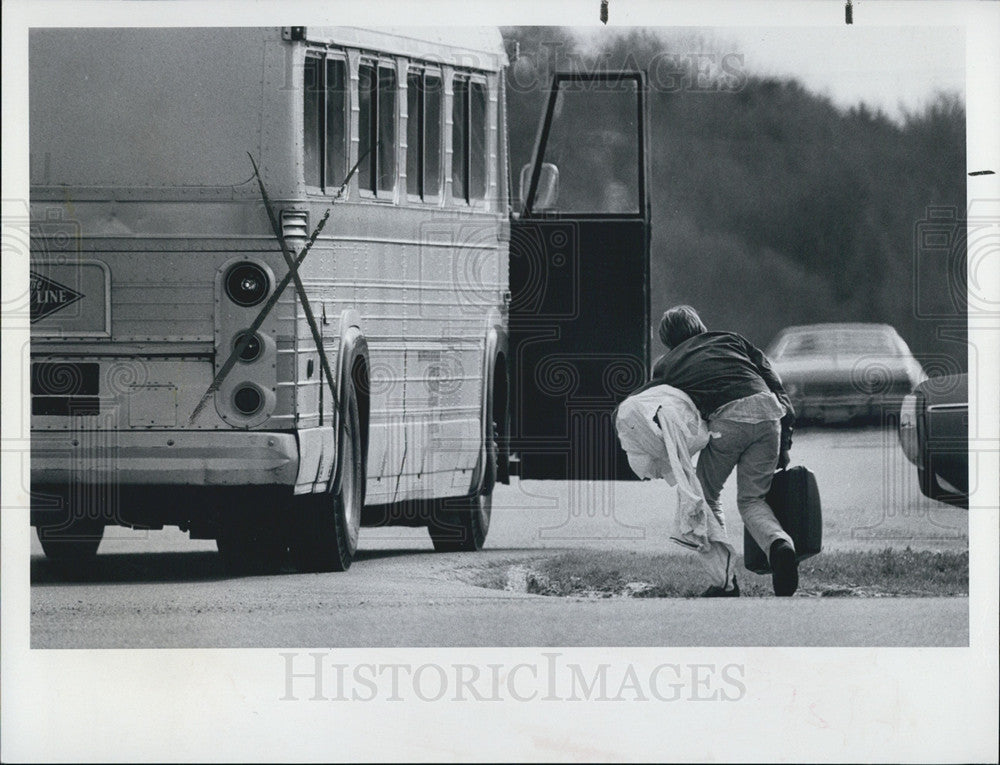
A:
(75, 540)
(326, 536)
(461, 524)
(251, 550)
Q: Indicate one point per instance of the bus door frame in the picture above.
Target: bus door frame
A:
(581, 444)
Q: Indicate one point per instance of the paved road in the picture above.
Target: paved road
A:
(414, 599)
(160, 589)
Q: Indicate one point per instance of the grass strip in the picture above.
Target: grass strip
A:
(604, 573)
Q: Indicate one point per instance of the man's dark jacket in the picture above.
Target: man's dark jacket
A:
(714, 368)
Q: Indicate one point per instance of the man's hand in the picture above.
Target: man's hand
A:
(783, 459)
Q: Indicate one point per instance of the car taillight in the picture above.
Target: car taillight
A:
(908, 438)
(247, 284)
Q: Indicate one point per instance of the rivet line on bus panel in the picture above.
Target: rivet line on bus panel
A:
(293, 266)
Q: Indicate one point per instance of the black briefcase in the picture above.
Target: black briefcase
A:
(794, 498)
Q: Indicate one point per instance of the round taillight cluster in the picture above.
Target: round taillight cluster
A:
(248, 400)
(253, 348)
(249, 397)
(247, 284)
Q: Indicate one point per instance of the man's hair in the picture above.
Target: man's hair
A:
(678, 324)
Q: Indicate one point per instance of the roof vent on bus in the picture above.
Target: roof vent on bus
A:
(294, 224)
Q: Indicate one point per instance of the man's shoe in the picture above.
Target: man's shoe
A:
(784, 568)
(721, 592)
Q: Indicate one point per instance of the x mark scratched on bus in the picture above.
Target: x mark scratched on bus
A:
(292, 274)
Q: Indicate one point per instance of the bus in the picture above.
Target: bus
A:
(279, 289)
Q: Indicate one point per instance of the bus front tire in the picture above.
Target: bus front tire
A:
(326, 538)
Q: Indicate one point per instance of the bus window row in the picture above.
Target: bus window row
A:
(326, 119)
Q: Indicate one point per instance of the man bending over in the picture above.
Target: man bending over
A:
(736, 390)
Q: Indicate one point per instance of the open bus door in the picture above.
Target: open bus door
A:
(579, 278)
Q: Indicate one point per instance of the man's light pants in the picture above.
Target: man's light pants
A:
(752, 448)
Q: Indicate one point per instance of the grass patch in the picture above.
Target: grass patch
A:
(599, 573)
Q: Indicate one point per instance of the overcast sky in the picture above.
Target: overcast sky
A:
(894, 68)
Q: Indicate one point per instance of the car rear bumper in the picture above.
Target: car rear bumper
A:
(188, 458)
(838, 408)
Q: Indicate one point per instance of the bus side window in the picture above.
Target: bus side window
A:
(423, 134)
(477, 142)
(336, 123)
(414, 133)
(433, 93)
(325, 122)
(377, 128)
(386, 128)
(313, 121)
(468, 158)
(459, 142)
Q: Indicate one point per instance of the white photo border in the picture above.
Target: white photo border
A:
(874, 704)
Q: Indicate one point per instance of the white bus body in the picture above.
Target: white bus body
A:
(144, 200)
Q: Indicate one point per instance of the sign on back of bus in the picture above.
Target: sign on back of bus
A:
(48, 296)
(70, 299)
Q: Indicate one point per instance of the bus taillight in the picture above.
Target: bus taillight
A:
(248, 400)
(247, 284)
(251, 352)
(247, 395)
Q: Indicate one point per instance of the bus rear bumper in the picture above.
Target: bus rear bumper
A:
(190, 458)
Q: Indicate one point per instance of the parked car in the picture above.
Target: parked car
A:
(934, 434)
(840, 372)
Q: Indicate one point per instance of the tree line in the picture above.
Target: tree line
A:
(770, 205)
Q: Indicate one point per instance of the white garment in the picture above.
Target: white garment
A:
(660, 429)
(643, 439)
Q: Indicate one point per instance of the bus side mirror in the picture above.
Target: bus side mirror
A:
(547, 192)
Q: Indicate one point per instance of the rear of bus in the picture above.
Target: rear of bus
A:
(150, 254)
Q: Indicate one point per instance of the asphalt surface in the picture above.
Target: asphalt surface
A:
(160, 589)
